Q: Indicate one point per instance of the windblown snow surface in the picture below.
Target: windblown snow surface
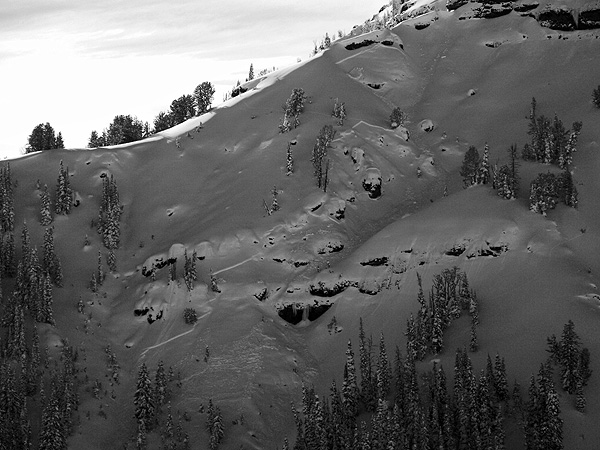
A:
(201, 186)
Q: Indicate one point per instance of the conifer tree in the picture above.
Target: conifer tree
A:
(144, 399)
(470, 167)
(7, 211)
(189, 270)
(110, 213)
(289, 161)
(52, 436)
(319, 155)
(383, 373)
(214, 425)
(484, 168)
(274, 202)
(45, 208)
(293, 107)
(64, 192)
(350, 388)
(367, 387)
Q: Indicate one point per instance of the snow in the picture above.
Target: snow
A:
(202, 189)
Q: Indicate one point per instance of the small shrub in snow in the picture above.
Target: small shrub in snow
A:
(190, 316)
(339, 111)
(289, 160)
(596, 97)
(397, 117)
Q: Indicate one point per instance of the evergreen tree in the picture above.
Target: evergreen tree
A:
(350, 388)
(483, 175)
(182, 109)
(470, 167)
(204, 94)
(52, 436)
(214, 425)
(110, 212)
(289, 161)
(189, 271)
(160, 386)
(144, 399)
(7, 211)
(367, 387)
(251, 73)
(543, 193)
(43, 138)
(383, 373)
(319, 154)
(123, 129)
(64, 193)
(596, 97)
(294, 106)
(45, 208)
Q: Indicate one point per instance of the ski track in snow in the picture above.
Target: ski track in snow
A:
(171, 339)
(237, 265)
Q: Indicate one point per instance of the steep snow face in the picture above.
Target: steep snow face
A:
(210, 185)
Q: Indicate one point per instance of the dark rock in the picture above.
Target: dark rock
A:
(524, 7)
(322, 290)
(589, 19)
(375, 85)
(451, 5)
(381, 261)
(373, 187)
(422, 25)
(557, 18)
(357, 45)
(491, 12)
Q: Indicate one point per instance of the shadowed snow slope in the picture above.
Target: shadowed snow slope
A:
(203, 186)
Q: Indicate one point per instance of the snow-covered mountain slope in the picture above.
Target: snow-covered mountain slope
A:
(202, 185)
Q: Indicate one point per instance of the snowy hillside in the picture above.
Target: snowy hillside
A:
(271, 281)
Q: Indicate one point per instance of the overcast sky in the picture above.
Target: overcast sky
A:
(77, 63)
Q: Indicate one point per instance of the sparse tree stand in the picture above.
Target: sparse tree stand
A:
(43, 138)
(319, 156)
(294, 106)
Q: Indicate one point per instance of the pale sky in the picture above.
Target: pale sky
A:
(78, 63)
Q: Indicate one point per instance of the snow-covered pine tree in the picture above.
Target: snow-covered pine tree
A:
(160, 386)
(214, 425)
(45, 208)
(289, 160)
(568, 190)
(319, 153)
(64, 192)
(470, 167)
(110, 213)
(189, 270)
(274, 202)
(367, 385)
(350, 388)
(144, 399)
(543, 193)
(292, 109)
(483, 174)
(383, 372)
(565, 158)
(7, 211)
